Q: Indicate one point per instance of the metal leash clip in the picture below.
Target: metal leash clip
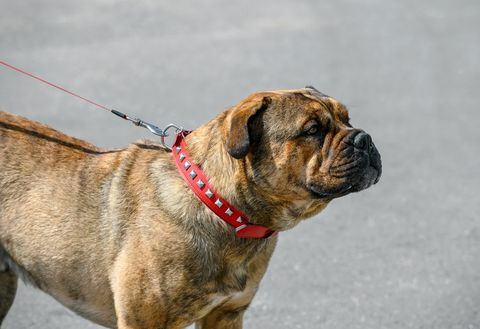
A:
(151, 127)
(169, 126)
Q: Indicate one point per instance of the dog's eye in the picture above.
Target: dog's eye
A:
(313, 130)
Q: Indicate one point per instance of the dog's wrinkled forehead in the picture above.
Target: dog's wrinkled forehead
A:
(325, 108)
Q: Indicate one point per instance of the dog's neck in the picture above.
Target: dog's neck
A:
(227, 174)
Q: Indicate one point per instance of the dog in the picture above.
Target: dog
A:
(119, 237)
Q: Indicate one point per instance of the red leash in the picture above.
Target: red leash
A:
(54, 85)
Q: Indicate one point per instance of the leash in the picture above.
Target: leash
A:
(136, 121)
(191, 172)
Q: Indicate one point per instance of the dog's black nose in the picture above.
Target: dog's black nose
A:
(362, 141)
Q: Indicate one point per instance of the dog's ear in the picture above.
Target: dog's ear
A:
(238, 137)
(314, 90)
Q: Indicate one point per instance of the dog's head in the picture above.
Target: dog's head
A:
(299, 148)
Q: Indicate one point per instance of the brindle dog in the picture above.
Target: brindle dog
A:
(117, 235)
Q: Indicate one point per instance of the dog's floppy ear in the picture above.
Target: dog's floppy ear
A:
(314, 90)
(238, 139)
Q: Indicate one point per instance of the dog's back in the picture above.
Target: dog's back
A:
(26, 141)
(31, 156)
(28, 148)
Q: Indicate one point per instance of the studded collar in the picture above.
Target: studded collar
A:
(199, 184)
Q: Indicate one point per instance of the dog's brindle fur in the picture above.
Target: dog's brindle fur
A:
(117, 235)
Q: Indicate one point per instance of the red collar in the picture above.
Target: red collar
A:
(202, 188)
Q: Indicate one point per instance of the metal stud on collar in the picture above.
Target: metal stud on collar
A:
(240, 227)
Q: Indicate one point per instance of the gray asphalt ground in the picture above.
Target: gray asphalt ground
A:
(403, 254)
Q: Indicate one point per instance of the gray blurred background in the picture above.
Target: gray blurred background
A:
(403, 254)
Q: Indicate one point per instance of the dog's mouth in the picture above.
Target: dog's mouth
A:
(370, 177)
(330, 193)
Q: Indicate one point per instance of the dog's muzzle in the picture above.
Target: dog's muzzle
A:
(361, 165)
(356, 165)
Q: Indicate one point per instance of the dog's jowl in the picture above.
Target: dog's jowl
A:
(119, 237)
